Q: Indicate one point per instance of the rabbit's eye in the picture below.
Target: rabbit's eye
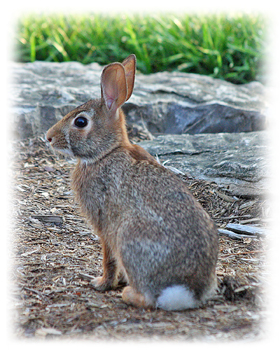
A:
(81, 122)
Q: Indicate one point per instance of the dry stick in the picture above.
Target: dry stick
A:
(233, 217)
(241, 253)
(233, 235)
(246, 229)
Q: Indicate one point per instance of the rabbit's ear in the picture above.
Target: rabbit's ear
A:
(129, 66)
(113, 86)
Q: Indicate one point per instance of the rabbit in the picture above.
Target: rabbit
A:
(155, 236)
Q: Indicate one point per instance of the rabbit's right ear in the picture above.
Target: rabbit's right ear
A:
(129, 66)
(113, 87)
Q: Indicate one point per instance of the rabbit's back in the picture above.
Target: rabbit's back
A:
(122, 184)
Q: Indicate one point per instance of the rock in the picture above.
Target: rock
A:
(176, 103)
(237, 162)
(44, 92)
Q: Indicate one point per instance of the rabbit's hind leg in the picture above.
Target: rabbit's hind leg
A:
(132, 297)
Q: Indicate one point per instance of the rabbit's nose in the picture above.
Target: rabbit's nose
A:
(49, 138)
(49, 135)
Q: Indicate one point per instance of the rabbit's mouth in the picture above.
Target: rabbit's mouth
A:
(65, 151)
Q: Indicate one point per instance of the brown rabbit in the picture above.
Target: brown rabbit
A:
(155, 236)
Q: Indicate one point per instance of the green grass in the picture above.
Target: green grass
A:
(222, 46)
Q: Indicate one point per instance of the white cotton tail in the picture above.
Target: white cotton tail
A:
(177, 297)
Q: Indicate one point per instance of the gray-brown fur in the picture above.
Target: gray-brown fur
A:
(153, 232)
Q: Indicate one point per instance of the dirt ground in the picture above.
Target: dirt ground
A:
(56, 254)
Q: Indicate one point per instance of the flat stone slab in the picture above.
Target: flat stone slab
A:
(174, 103)
(236, 162)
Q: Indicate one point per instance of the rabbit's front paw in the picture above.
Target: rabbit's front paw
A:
(101, 284)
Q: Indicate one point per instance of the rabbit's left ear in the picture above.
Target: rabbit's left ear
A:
(113, 87)
(129, 66)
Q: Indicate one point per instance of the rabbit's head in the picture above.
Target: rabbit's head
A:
(95, 128)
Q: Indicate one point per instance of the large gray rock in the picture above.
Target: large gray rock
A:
(165, 102)
(236, 162)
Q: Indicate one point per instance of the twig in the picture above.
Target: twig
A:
(233, 217)
(233, 235)
(242, 253)
(246, 229)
